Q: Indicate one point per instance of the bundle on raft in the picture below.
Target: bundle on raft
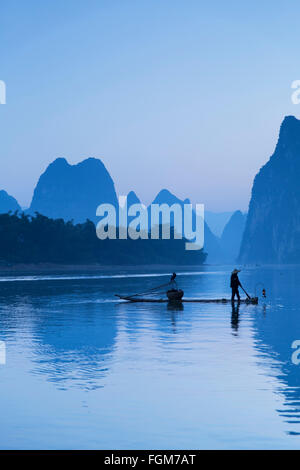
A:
(175, 294)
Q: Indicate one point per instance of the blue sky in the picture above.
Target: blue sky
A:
(187, 95)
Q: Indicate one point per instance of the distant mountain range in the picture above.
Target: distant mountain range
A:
(217, 221)
(73, 192)
(211, 242)
(269, 233)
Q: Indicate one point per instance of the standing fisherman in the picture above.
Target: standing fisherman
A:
(234, 284)
(173, 282)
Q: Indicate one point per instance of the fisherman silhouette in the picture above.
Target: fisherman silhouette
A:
(234, 284)
(173, 282)
(174, 294)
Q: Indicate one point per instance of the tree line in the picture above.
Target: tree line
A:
(40, 239)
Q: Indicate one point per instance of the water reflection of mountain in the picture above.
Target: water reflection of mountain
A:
(275, 328)
(79, 352)
(71, 337)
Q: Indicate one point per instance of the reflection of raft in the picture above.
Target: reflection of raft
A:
(253, 300)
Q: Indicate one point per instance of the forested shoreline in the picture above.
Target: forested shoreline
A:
(39, 239)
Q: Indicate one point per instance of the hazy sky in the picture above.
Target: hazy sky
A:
(187, 95)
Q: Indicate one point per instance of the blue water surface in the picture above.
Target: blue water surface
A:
(86, 371)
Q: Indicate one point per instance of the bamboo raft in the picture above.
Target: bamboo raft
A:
(252, 300)
(174, 295)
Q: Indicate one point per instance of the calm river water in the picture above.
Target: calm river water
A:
(84, 370)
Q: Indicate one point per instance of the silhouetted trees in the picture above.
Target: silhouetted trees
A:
(39, 239)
